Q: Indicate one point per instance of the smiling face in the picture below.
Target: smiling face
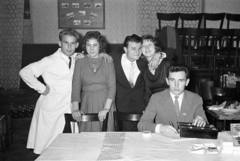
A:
(148, 49)
(68, 45)
(92, 48)
(133, 51)
(177, 82)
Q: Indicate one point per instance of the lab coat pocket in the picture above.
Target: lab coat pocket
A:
(50, 102)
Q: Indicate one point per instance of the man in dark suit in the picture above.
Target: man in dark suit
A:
(129, 68)
(173, 105)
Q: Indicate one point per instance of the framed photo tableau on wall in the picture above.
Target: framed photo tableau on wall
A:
(81, 14)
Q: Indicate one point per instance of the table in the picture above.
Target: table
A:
(219, 115)
(125, 146)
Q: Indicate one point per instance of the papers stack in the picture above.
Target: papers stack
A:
(228, 148)
(207, 148)
(217, 107)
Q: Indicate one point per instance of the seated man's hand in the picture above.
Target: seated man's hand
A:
(107, 57)
(168, 129)
(77, 114)
(199, 122)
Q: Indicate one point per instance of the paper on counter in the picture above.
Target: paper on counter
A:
(217, 107)
(206, 148)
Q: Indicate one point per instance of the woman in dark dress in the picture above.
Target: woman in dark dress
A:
(155, 79)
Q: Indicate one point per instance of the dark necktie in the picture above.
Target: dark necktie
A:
(176, 105)
(70, 62)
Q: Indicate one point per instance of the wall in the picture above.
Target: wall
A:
(148, 9)
(120, 19)
(228, 6)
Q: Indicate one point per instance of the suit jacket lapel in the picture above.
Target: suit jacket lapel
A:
(171, 108)
(141, 66)
(185, 106)
(120, 71)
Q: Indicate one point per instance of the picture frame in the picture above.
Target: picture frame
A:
(81, 14)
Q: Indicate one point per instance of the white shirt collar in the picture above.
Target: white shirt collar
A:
(180, 98)
(65, 57)
(126, 64)
(125, 59)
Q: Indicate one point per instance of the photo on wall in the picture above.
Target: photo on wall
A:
(81, 14)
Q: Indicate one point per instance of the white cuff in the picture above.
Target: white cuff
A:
(158, 128)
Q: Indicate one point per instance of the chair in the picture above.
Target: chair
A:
(190, 20)
(181, 34)
(196, 44)
(220, 95)
(232, 17)
(85, 118)
(205, 86)
(237, 56)
(213, 17)
(168, 17)
(200, 79)
(221, 44)
(119, 116)
(205, 92)
(191, 17)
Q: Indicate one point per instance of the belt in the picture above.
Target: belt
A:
(94, 87)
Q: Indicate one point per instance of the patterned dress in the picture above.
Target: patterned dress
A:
(93, 82)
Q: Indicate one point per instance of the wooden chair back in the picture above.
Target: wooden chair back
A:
(213, 17)
(87, 117)
(119, 116)
(232, 17)
(168, 17)
(191, 17)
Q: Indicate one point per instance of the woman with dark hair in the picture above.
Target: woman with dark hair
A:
(94, 84)
(155, 79)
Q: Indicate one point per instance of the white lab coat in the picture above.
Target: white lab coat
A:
(48, 118)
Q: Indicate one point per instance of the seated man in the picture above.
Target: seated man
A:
(173, 105)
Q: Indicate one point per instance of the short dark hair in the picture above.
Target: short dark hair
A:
(94, 35)
(70, 32)
(132, 38)
(178, 68)
(154, 40)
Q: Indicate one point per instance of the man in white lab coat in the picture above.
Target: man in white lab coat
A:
(55, 100)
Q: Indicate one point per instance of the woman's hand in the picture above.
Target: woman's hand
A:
(156, 60)
(79, 55)
(107, 57)
(102, 114)
(77, 115)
